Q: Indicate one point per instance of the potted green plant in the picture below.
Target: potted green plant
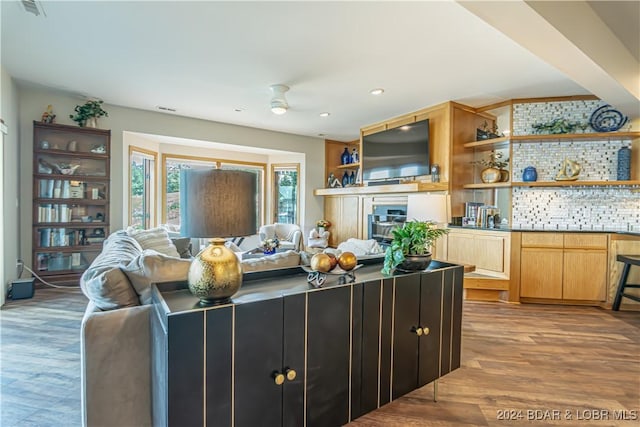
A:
(410, 249)
(87, 114)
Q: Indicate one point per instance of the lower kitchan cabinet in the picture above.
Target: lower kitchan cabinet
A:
(318, 357)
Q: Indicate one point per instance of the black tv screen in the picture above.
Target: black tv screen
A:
(396, 153)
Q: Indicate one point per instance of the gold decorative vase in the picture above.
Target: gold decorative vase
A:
(490, 175)
(215, 274)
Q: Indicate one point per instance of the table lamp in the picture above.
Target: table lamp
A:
(216, 203)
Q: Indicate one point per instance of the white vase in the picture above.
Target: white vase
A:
(320, 230)
(92, 122)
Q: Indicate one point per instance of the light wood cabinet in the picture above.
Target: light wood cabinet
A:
(345, 215)
(541, 273)
(564, 266)
(487, 250)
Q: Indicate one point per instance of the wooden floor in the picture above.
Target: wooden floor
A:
(520, 363)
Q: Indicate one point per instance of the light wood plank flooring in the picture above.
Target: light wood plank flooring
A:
(516, 358)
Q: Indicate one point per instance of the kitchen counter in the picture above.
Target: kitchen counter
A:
(510, 229)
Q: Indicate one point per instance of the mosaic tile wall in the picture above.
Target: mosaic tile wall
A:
(569, 208)
(598, 159)
(525, 115)
(576, 208)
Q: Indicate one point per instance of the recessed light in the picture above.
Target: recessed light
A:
(376, 91)
(325, 114)
(238, 110)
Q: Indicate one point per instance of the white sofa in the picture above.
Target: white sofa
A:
(289, 235)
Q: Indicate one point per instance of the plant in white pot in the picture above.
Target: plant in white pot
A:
(87, 114)
(410, 249)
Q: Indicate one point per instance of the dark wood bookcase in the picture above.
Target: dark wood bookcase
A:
(70, 218)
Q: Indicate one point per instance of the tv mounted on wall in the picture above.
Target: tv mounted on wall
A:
(396, 153)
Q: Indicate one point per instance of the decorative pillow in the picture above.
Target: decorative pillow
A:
(156, 239)
(103, 282)
(152, 267)
(183, 246)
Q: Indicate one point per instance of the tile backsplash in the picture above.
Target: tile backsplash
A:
(525, 115)
(598, 159)
(569, 208)
(576, 208)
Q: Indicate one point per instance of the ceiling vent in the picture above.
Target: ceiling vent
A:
(33, 6)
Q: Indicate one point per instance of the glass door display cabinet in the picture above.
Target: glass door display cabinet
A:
(70, 199)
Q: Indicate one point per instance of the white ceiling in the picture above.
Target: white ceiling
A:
(206, 59)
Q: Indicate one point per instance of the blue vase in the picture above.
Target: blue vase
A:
(624, 164)
(346, 157)
(269, 251)
(345, 179)
(530, 174)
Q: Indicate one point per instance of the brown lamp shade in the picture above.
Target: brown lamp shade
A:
(217, 203)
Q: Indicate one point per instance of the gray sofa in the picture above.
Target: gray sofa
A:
(115, 334)
(115, 346)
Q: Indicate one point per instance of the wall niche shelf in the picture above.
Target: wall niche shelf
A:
(349, 166)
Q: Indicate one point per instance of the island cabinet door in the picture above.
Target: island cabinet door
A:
(441, 322)
(328, 356)
(269, 362)
(406, 324)
(368, 370)
(432, 320)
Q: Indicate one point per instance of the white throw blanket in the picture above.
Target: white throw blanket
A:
(360, 247)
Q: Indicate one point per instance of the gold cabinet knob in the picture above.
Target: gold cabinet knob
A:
(417, 330)
(291, 374)
(425, 331)
(278, 378)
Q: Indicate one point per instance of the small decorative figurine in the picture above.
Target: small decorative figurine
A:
(569, 171)
(333, 182)
(48, 116)
(355, 158)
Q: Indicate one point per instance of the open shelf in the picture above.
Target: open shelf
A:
(577, 184)
(577, 136)
(487, 142)
(348, 166)
(379, 189)
(483, 185)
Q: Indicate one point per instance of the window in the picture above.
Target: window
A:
(142, 187)
(173, 164)
(285, 191)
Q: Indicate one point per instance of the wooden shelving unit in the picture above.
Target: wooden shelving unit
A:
(70, 210)
(494, 142)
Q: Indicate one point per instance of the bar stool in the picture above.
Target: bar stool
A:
(628, 261)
